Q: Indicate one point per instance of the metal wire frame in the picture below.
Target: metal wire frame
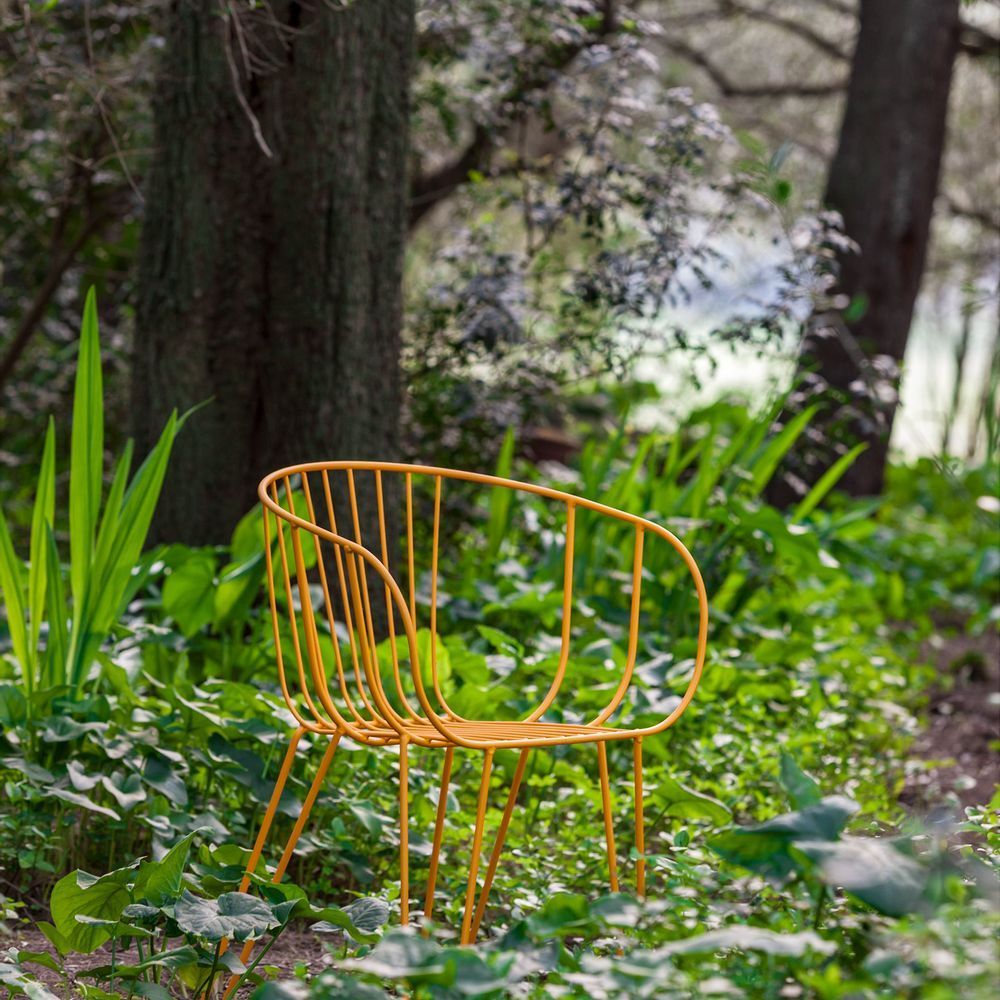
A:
(377, 711)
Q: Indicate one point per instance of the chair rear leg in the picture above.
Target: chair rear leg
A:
(640, 831)
(609, 831)
(449, 756)
(404, 832)
(501, 835)
(477, 845)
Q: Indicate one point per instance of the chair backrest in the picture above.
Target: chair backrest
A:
(355, 613)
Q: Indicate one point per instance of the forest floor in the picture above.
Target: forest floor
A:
(953, 761)
(956, 755)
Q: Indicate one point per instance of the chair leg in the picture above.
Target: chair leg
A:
(272, 807)
(498, 843)
(477, 846)
(640, 832)
(300, 823)
(609, 832)
(449, 756)
(404, 832)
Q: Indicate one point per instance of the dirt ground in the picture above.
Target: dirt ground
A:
(292, 948)
(956, 756)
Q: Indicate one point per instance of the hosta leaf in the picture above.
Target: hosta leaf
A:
(160, 881)
(236, 915)
(872, 870)
(801, 789)
(751, 939)
(81, 894)
(686, 803)
(368, 914)
(77, 799)
(126, 789)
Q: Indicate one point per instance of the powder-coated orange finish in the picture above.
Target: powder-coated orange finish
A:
(323, 580)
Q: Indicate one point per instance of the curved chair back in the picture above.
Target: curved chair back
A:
(355, 615)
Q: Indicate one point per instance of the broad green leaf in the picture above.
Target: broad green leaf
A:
(126, 789)
(160, 881)
(77, 799)
(872, 870)
(748, 938)
(686, 803)
(189, 592)
(235, 915)
(801, 788)
(158, 774)
(80, 894)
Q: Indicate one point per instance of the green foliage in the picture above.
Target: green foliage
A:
(812, 685)
(104, 546)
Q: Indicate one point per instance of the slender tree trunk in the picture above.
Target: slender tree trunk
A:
(271, 260)
(883, 180)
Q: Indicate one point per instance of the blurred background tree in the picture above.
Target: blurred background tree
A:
(591, 188)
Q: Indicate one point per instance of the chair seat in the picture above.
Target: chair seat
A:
(509, 734)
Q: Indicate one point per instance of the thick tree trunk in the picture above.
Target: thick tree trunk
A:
(883, 180)
(270, 284)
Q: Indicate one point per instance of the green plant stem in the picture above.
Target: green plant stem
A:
(253, 965)
(206, 984)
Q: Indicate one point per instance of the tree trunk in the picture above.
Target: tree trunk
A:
(883, 181)
(271, 259)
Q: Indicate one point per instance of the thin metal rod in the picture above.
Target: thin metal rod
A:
(442, 806)
(404, 832)
(272, 808)
(609, 832)
(477, 845)
(640, 832)
(501, 835)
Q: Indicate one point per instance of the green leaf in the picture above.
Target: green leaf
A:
(12, 587)
(749, 938)
(500, 499)
(126, 789)
(873, 871)
(158, 774)
(368, 914)
(81, 894)
(235, 915)
(160, 881)
(801, 788)
(86, 451)
(765, 464)
(58, 639)
(42, 520)
(685, 803)
(825, 483)
(767, 848)
(189, 592)
(76, 799)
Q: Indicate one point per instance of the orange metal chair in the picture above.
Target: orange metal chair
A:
(323, 581)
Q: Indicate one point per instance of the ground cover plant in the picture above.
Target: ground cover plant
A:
(782, 863)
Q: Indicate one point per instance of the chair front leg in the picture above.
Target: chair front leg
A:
(640, 831)
(477, 846)
(404, 831)
(609, 830)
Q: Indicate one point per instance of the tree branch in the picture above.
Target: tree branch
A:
(729, 88)
(427, 190)
(977, 43)
(36, 311)
(789, 25)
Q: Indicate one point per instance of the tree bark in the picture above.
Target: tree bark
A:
(883, 180)
(271, 259)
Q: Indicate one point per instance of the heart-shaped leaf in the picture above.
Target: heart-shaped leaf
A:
(236, 915)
